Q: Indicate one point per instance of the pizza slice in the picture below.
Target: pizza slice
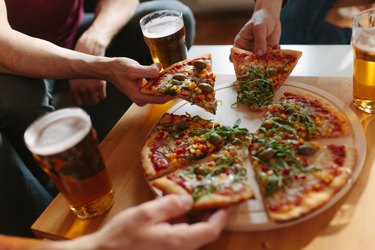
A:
(299, 115)
(258, 77)
(191, 80)
(297, 178)
(180, 140)
(220, 180)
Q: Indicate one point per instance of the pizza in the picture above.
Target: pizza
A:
(258, 77)
(296, 177)
(190, 155)
(180, 140)
(300, 115)
(191, 80)
(218, 181)
(296, 169)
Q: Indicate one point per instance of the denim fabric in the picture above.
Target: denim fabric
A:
(303, 23)
(23, 198)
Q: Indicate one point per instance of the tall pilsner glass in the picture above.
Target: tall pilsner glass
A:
(363, 42)
(164, 34)
(65, 145)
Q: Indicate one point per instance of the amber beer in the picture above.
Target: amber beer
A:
(65, 146)
(363, 42)
(164, 34)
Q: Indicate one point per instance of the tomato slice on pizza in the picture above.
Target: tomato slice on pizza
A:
(191, 80)
(258, 77)
(297, 178)
(220, 180)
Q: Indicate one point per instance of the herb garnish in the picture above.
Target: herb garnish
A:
(255, 88)
(284, 160)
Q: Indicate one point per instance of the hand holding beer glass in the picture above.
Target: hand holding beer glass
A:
(65, 146)
(363, 42)
(164, 34)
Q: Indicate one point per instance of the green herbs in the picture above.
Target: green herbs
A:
(282, 166)
(255, 88)
(289, 119)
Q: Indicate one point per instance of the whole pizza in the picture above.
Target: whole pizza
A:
(296, 172)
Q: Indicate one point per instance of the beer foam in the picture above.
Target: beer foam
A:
(163, 26)
(57, 131)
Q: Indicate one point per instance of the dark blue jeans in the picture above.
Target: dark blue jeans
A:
(25, 190)
(302, 22)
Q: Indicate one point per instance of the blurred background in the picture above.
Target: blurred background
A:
(218, 21)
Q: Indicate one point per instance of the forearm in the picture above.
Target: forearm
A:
(17, 243)
(272, 5)
(111, 16)
(28, 56)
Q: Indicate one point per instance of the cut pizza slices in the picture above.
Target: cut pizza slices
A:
(297, 177)
(258, 77)
(191, 80)
(218, 181)
(179, 140)
(301, 115)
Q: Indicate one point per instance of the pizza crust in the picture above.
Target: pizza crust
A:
(315, 199)
(168, 186)
(344, 121)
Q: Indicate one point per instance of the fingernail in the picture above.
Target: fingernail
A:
(259, 52)
(187, 201)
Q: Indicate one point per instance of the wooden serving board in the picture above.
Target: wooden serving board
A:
(348, 224)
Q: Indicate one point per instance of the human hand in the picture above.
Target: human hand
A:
(128, 75)
(146, 227)
(89, 91)
(262, 32)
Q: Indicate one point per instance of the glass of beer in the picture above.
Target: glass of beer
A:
(164, 34)
(363, 42)
(65, 146)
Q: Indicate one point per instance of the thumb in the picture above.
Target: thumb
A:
(163, 209)
(151, 71)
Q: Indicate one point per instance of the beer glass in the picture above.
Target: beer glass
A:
(65, 146)
(363, 42)
(164, 34)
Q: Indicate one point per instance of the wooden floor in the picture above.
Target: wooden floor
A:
(219, 27)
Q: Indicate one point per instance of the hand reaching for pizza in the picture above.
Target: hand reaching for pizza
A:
(262, 32)
(127, 75)
(145, 227)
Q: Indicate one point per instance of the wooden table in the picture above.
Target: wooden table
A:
(346, 225)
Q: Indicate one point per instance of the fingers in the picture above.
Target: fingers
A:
(260, 38)
(198, 234)
(162, 209)
(152, 71)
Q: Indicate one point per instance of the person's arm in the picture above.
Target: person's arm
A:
(262, 32)
(27, 56)
(138, 228)
(110, 17)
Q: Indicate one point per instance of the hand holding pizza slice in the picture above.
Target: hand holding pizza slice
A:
(258, 77)
(191, 80)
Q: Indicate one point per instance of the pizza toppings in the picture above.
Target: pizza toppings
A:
(258, 77)
(191, 80)
(202, 158)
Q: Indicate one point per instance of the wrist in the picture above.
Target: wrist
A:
(273, 6)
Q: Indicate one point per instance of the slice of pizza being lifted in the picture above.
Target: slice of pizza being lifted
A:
(258, 77)
(191, 80)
